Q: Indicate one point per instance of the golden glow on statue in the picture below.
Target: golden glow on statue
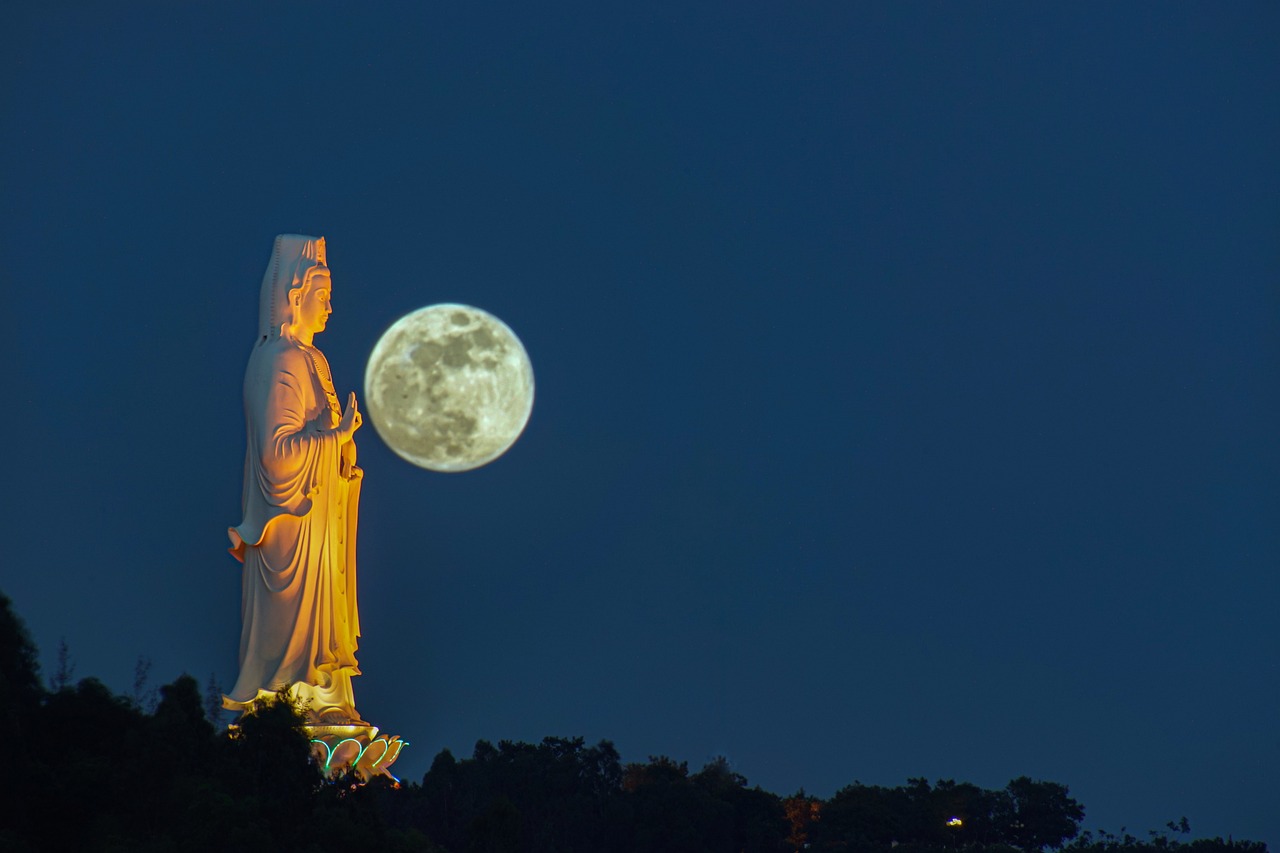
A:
(297, 538)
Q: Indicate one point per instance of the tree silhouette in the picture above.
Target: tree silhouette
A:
(1035, 815)
(92, 770)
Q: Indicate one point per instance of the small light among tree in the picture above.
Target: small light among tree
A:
(956, 822)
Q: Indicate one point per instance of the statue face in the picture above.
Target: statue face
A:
(313, 311)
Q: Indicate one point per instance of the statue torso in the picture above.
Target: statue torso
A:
(322, 378)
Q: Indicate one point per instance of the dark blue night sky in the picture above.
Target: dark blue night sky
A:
(908, 373)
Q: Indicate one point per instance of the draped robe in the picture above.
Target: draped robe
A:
(297, 539)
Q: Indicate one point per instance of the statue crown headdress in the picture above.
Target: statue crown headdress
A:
(292, 257)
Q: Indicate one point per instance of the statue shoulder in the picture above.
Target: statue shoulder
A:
(273, 360)
(281, 354)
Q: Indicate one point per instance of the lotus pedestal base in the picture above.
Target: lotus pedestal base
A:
(361, 750)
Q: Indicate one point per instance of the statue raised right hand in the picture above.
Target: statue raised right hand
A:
(352, 420)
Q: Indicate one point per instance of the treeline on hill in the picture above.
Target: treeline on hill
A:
(88, 770)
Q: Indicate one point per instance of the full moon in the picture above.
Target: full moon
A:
(449, 387)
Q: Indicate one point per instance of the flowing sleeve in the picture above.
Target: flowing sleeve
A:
(291, 457)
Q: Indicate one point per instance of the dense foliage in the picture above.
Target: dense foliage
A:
(93, 771)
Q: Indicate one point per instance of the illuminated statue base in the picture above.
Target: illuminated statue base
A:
(339, 744)
(358, 749)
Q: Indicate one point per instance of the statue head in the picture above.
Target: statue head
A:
(310, 303)
(296, 261)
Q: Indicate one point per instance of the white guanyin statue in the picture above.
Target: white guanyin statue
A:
(297, 539)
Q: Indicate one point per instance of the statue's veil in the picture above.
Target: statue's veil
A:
(292, 257)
